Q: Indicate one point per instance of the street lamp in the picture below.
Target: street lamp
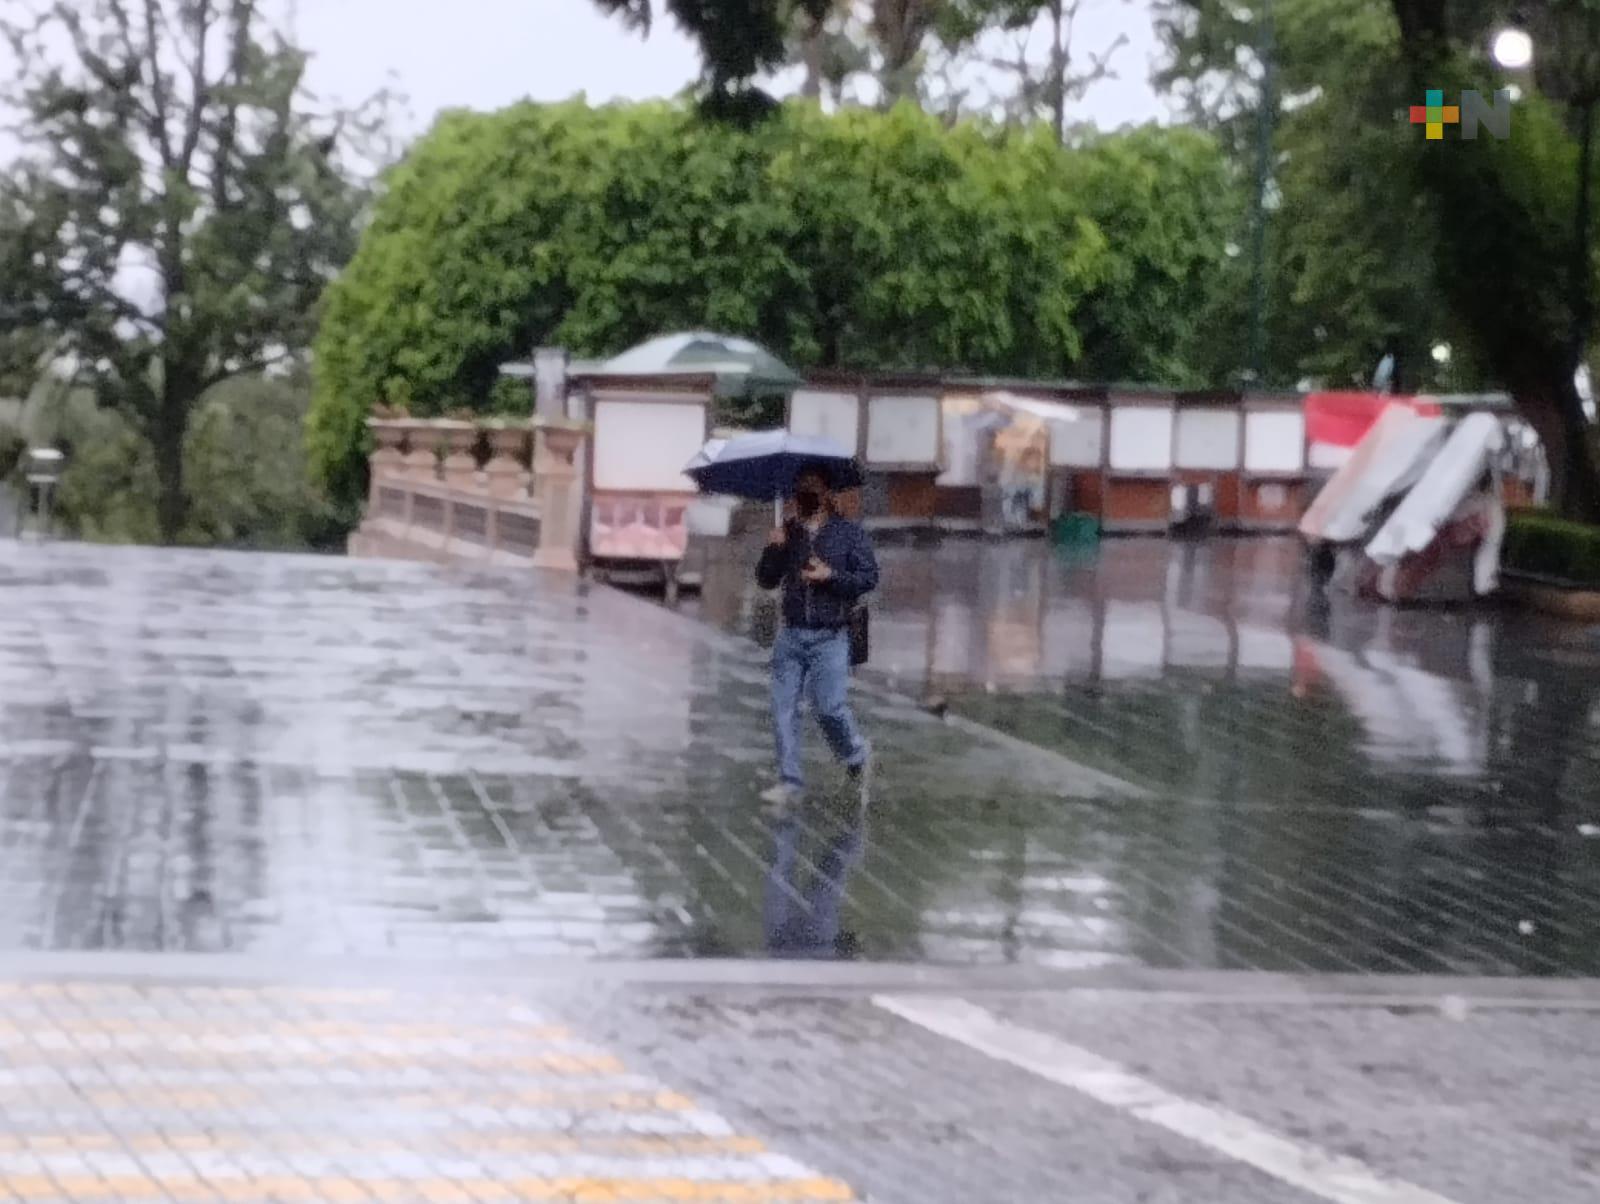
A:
(1512, 48)
(1266, 51)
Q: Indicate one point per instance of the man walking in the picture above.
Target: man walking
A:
(826, 566)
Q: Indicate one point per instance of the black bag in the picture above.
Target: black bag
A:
(860, 635)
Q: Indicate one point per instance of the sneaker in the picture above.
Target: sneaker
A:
(783, 797)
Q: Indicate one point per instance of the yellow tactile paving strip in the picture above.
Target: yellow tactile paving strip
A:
(114, 1092)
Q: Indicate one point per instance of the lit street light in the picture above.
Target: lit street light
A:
(1513, 48)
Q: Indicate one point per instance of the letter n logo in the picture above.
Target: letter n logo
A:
(1495, 118)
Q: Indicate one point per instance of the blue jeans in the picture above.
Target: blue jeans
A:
(807, 925)
(813, 666)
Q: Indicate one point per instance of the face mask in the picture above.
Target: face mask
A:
(807, 504)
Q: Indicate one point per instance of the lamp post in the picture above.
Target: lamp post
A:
(43, 471)
(1258, 247)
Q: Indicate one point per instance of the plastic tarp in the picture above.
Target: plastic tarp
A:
(1391, 457)
(1047, 411)
(1452, 475)
(1448, 526)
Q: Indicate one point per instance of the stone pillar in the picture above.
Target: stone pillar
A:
(460, 466)
(506, 473)
(558, 481)
(421, 461)
(550, 382)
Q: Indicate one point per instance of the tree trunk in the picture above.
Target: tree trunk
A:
(811, 59)
(830, 340)
(172, 503)
(1582, 265)
(1555, 411)
(167, 439)
(1058, 74)
(898, 26)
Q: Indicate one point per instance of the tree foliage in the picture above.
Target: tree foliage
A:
(1515, 251)
(174, 213)
(1167, 203)
(738, 39)
(856, 240)
(1004, 37)
(1351, 239)
(244, 464)
(1381, 240)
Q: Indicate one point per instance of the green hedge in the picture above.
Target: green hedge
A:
(1553, 547)
(859, 239)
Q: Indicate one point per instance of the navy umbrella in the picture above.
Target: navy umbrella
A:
(764, 465)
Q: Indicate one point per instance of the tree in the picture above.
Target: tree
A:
(1167, 203)
(1351, 238)
(1042, 90)
(853, 240)
(1515, 248)
(917, 247)
(738, 39)
(900, 30)
(244, 464)
(828, 48)
(175, 212)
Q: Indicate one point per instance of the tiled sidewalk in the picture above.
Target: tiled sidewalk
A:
(212, 751)
(123, 1093)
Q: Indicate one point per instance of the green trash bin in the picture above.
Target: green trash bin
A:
(1075, 530)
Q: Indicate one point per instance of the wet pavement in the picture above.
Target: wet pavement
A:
(191, 1091)
(333, 880)
(169, 1083)
(1335, 784)
(282, 755)
(1473, 1107)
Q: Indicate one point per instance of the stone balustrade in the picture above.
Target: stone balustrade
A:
(491, 492)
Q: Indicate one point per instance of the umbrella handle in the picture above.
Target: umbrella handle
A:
(777, 510)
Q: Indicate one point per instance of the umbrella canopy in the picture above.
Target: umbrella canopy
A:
(763, 466)
(738, 364)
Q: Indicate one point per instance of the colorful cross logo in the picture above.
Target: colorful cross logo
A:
(1435, 115)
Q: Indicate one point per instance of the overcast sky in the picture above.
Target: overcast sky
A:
(484, 54)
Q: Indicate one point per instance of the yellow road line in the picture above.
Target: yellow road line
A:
(407, 1099)
(284, 1188)
(201, 1030)
(356, 1059)
(430, 1141)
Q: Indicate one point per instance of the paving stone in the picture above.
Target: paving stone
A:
(229, 752)
(162, 1092)
(1479, 1104)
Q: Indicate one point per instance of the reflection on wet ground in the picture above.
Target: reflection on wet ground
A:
(1213, 670)
(805, 891)
(220, 751)
(1339, 783)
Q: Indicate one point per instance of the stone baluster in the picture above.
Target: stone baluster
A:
(558, 481)
(506, 473)
(422, 456)
(460, 466)
(387, 461)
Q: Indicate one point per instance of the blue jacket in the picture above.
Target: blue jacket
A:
(840, 544)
